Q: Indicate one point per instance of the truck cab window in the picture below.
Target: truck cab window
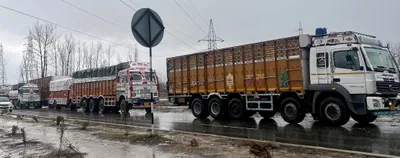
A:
(347, 59)
(136, 77)
(322, 61)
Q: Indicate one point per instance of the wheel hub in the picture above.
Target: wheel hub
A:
(290, 110)
(235, 109)
(332, 111)
(215, 108)
(197, 107)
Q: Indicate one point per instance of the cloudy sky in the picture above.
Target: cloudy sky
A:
(236, 21)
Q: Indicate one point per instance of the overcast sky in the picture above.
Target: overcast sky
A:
(236, 21)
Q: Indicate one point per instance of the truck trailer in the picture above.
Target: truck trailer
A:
(333, 76)
(60, 93)
(44, 87)
(119, 87)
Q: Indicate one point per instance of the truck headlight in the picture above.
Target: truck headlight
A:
(376, 103)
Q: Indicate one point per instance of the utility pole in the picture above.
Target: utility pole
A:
(212, 38)
(2, 66)
(300, 30)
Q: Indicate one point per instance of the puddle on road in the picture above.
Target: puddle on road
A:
(83, 140)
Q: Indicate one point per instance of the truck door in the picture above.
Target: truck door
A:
(348, 69)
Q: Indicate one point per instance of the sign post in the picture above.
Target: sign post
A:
(148, 30)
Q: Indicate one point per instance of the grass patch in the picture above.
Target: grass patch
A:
(148, 139)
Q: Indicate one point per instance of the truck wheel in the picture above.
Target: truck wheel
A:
(54, 105)
(236, 109)
(333, 111)
(18, 105)
(364, 119)
(92, 106)
(58, 107)
(267, 114)
(73, 107)
(216, 108)
(124, 106)
(199, 110)
(291, 111)
(84, 105)
(101, 106)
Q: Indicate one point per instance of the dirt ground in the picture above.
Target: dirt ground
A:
(87, 139)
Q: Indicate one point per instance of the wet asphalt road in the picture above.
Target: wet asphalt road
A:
(382, 136)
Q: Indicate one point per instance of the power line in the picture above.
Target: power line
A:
(166, 30)
(164, 24)
(95, 15)
(189, 16)
(197, 12)
(62, 26)
(134, 3)
(128, 5)
(83, 10)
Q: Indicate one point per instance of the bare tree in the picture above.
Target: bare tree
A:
(119, 60)
(78, 56)
(43, 36)
(98, 54)
(109, 53)
(62, 55)
(90, 59)
(69, 45)
(130, 54)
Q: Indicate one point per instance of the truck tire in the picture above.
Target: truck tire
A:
(101, 108)
(92, 106)
(364, 119)
(236, 109)
(216, 108)
(58, 107)
(84, 106)
(73, 107)
(267, 114)
(54, 105)
(333, 111)
(199, 110)
(292, 111)
(18, 106)
(124, 106)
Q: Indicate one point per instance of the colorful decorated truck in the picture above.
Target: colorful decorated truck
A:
(60, 93)
(110, 89)
(28, 96)
(333, 76)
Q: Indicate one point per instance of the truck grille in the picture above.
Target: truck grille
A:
(390, 87)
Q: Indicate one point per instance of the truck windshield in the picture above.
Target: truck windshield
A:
(4, 99)
(135, 76)
(148, 76)
(381, 60)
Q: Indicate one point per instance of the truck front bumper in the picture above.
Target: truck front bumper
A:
(383, 106)
(139, 103)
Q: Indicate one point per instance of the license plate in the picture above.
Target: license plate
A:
(146, 104)
(392, 107)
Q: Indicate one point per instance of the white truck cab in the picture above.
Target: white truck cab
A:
(28, 96)
(134, 84)
(357, 66)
